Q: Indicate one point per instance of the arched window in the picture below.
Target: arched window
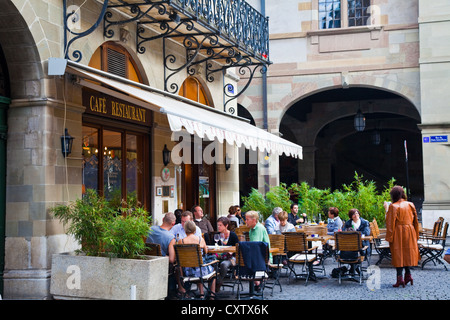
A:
(193, 89)
(115, 59)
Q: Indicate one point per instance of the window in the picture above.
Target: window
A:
(115, 149)
(113, 163)
(343, 13)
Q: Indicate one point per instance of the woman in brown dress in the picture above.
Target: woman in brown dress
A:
(402, 232)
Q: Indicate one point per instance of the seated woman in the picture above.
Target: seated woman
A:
(356, 223)
(285, 226)
(229, 239)
(191, 238)
(334, 222)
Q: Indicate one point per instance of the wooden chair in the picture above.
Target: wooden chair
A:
(426, 234)
(244, 274)
(296, 247)
(152, 249)
(379, 242)
(190, 256)
(350, 241)
(434, 248)
(276, 241)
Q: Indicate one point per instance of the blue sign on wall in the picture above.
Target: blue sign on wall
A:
(439, 139)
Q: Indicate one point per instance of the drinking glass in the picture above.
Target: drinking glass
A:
(216, 238)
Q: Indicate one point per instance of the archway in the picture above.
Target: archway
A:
(323, 124)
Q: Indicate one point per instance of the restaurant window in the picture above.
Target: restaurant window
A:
(115, 144)
(343, 13)
(113, 163)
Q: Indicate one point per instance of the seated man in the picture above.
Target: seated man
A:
(162, 236)
(257, 233)
(178, 229)
(272, 222)
(202, 223)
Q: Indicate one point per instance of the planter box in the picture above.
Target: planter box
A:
(85, 277)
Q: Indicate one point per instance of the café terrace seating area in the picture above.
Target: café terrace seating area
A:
(306, 256)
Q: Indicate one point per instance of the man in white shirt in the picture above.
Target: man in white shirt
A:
(178, 229)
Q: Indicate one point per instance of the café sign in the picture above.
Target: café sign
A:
(105, 105)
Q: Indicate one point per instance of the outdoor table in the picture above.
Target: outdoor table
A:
(232, 249)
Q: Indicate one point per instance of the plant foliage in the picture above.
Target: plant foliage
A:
(360, 194)
(103, 228)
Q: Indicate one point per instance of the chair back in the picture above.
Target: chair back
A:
(188, 255)
(444, 234)
(277, 241)
(321, 230)
(152, 249)
(242, 229)
(376, 230)
(348, 241)
(295, 241)
(240, 257)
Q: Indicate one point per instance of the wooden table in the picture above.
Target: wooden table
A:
(232, 249)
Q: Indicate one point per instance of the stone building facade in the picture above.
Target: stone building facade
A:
(392, 67)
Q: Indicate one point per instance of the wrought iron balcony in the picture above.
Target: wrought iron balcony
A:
(229, 32)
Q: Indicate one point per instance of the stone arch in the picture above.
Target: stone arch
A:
(384, 82)
(25, 45)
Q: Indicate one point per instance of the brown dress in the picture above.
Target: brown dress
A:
(402, 232)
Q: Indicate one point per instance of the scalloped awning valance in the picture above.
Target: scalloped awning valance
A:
(201, 120)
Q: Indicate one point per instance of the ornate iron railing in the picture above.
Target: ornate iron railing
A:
(230, 32)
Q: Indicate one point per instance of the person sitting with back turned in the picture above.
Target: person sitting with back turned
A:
(192, 238)
(272, 222)
(203, 223)
(162, 236)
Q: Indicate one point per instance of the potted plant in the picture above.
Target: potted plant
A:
(110, 263)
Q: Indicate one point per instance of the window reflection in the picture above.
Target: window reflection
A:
(112, 165)
(90, 158)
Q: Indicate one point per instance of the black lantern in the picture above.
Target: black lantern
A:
(227, 162)
(360, 121)
(66, 143)
(166, 155)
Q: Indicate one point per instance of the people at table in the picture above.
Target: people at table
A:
(402, 232)
(272, 223)
(334, 221)
(178, 229)
(202, 222)
(191, 238)
(229, 239)
(285, 225)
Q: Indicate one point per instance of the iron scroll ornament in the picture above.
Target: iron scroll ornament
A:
(76, 54)
(242, 71)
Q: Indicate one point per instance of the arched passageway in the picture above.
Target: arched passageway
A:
(334, 150)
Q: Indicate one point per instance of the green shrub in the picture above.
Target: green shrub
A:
(102, 228)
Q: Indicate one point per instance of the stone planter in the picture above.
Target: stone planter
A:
(86, 277)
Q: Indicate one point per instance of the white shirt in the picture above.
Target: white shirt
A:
(178, 229)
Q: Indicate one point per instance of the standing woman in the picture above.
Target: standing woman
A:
(402, 232)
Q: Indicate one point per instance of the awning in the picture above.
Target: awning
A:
(198, 119)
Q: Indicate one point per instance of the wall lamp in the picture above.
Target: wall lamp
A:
(227, 162)
(66, 143)
(166, 155)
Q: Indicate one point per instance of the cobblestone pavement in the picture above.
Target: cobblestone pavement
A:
(431, 283)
